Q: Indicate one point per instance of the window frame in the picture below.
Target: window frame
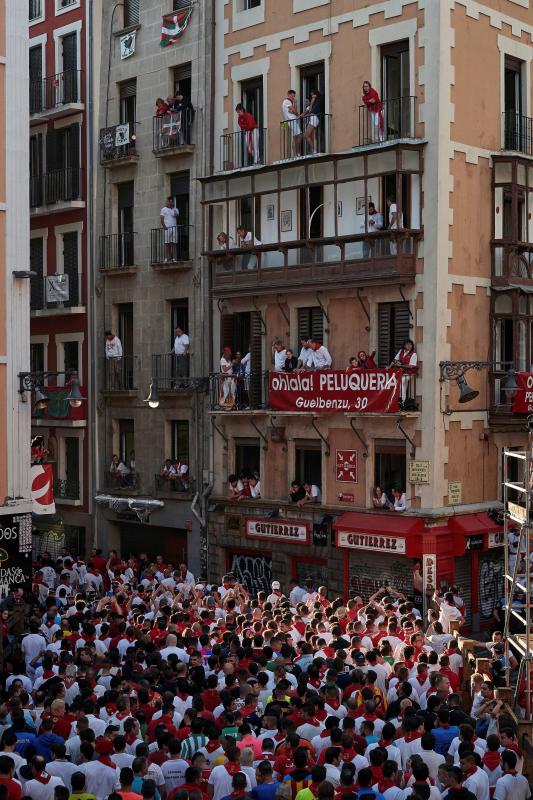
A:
(61, 471)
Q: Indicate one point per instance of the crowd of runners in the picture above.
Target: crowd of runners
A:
(134, 680)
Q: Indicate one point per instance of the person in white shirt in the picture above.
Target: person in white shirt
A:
(321, 356)
(42, 785)
(312, 495)
(33, 645)
(169, 221)
(400, 502)
(395, 223)
(305, 359)
(246, 240)
(181, 351)
(172, 649)
(255, 486)
(296, 593)
(279, 353)
(291, 120)
(374, 223)
(511, 786)
(448, 612)
(475, 779)
(60, 767)
(113, 354)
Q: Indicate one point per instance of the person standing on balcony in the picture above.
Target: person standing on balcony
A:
(246, 239)
(227, 381)
(395, 223)
(321, 356)
(279, 354)
(181, 352)
(169, 222)
(113, 354)
(250, 133)
(374, 222)
(185, 116)
(407, 360)
(305, 359)
(313, 115)
(291, 121)
(375, 110)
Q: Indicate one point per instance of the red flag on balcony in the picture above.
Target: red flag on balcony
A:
(42, 489)
(174, 26)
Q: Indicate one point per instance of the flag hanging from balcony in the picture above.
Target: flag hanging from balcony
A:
(42, 489)
(174, 26)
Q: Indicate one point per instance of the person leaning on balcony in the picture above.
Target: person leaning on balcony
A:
(250, 130)
(119, 470)
(161, 107)
(255, 486)
(291, 362)
(321, 356)
(305, 359)
(395, 223)
(374, 223)
(246, 240)
(407, 360)
(167, 469)
(279, 354)
(313, 113)
(312, 494)
(375, 109)
(400, 502)
(291, 120)
(113, 354)
(185, 117)
(225, 242)
(366, 360)
(169, 222)
(379, 499)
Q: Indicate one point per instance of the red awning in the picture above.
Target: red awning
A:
(393, 524)
(468, 524)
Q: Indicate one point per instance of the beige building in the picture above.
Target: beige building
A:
(446, 156)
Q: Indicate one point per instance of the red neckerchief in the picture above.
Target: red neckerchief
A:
(110, 708)
(130, 738)
(42, 777)
(212, 746)
(491, 759)
(333, 703)
(48, 673)
(469, 773)
(514, 747)
(384, 742)
(510, 772)
(238, 794)
(421, 679)
(321, 714)
(411, 737)
(232, 767)
(384, 785)
(409, 663)
(324, 734)
(348, 755)
(377, 773)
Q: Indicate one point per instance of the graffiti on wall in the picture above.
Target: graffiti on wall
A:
(254, 572)
(490, 585)
(375, 572)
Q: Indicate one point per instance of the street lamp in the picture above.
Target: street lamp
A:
(34, 382)
(153, 395)
(456, 370)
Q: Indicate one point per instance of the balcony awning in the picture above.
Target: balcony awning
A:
(469, 524)
(393, 524)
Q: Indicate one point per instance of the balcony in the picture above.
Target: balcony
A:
(358, 260)
(35, 10)
(517, 133)
(174, 486)
(119, 374)
(243, 149)
(172, 134)
(363, 392)
(65, 489)
(55, 294)
(297, 142)
(170, 247)
(56, 96)
(59, 190)
(118, 145)
(171, 374)
(396, 120)
(117, 254)
(122, 484)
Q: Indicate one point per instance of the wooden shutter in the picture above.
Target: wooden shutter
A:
(132, 11)
(73, 165)
(311, 324)
(52, 150)
(70, 265)
(70, 52)
(36, 265)
(401, 324)
(393, 330)
(227, 331)
(256, 351)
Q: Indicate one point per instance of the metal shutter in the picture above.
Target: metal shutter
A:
(368, 572)
(36, 265)
(70, 265)
(490, 582)
(463, 579)
(393, 330)
(317, 572)
(72, 459)
(132, 12)
(311, 324)
(128, 88)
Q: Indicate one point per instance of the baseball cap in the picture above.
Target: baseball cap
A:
(276, 585)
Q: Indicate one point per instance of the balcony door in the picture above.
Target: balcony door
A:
(252, 98)
(125, 334)
(36, 77)
(125, 198)
(513, 104)
(179, 318)
(395, 89)
(389, 188)
(128, 103)
(69, 59)
(243, 333)
(63, 163)
(70, 266)
(182, 79)
(312, 79)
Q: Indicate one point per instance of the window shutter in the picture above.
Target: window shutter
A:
(128, 88)
(132, 11)
(227, 331)
(74, 165)
(393, 330)
(72, 459)
(70, 265)
(311, 324)
(36, 265)
(52, 150)
(256, 352)
(401, 324)
(384, 334)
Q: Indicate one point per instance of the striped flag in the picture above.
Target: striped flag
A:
(173, 26)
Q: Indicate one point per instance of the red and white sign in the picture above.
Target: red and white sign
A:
(42, 489)
(277, 530)
(429, 566)
(369, 391)
(346, 466)
(523, 398)
(371, 541)
(496, 539)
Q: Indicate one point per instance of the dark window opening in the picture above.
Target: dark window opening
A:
(182, 76)
(179, 317)
(395, 78)
(308, 464)
(128, 101)
(179, 445)
(390, 467)
(393, 330)
(250, 215)
(72, 466)
(252, 98)
(71, 355)
(179, 191)
(247, 457)
(125, 327)
(310, 324)
(126, 431)
(37, 357)
(311, 212)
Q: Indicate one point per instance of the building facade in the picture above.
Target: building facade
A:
(15, 497)
(60, 258)
(448, 269)
(149, 280)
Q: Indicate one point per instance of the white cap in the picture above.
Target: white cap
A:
(276, 585)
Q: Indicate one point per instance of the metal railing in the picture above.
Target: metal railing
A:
(228, 392)
(55, 91)
(55, 291)
(170, 245)
(513, 260)
(61, 185)
(394, 119)
(517, 132)
(172, 130)
(307, 136)
(65, 489)
(120, 374)
(174, 484)
(117, 250)
(243, 149)
(171, 373)
(35, 10)
(501, 399)
(113, 148)
(124, 481)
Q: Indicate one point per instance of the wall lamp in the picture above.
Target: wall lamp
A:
(153, 395)
(456, 370)
(34, 382)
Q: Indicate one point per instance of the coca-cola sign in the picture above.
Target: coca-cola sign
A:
(368, 391)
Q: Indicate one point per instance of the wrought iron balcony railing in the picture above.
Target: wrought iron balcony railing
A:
(243, 149)
(393, 119)
(172, 130)
(307, 136)
(117, 251)
(55, 91)
(170, 245)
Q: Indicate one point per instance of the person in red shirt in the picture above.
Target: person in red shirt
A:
(250, 130)
(7, 770)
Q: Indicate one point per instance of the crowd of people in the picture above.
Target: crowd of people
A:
(137, 680)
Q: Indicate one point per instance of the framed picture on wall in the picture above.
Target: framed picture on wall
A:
(286, 221)
(361, 204)
(270, 211)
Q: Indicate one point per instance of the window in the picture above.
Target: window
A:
(126, 440)
(71, 352)
(393, 330)
(250, 214)
(252, 98)
(72, 468)
(179, 318)
(513, 331)
(37, 266)
(36, 170)
(182, 77)
(125, 327)
(36, 76)
(132, 12)
(37, 357)
(128, 101)
(390, 466)
(66, 5)
(308, 463)
(311, 324)
(125, 207)
(35, 10)
(70, 266)
(247, 456)
(248, 4)
(69, 67)
(311, 79)
(179, 445)
(311, 214)
(62, 164)
(179, 190)
(395, 86)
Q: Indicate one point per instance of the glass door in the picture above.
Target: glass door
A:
(395, 83)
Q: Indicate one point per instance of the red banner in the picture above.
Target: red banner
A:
(369, 391)
(42, 489)
(523, 399)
